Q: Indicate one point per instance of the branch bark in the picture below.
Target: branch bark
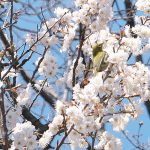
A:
(36, 122)
(82, 33)
(3, 122)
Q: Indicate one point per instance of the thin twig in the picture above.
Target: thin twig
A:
(63, 139)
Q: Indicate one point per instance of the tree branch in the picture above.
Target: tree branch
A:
(3, 125)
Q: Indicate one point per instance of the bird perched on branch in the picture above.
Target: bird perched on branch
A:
(99, 58)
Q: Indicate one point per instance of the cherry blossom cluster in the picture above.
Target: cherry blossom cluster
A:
(108, 141)
(113, 96)
(48, 66)
(23, 136)
(143, 5)
(24, 96)
(93, 13)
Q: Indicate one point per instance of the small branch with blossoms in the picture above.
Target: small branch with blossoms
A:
(63, 139)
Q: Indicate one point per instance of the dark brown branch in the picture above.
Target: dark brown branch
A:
(37, 94)
(4, 39)
(129, 12)
(40, 61)
(63, 139)
(3, 125)
(82, 32)
(36, 122)
(25, 60)
(93, 140)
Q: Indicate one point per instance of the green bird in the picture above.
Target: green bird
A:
(99, 58)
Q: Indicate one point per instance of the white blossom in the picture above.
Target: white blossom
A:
(48, 66)
(119, 121)
(24, 97)
(23, 135)
(143, 5)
